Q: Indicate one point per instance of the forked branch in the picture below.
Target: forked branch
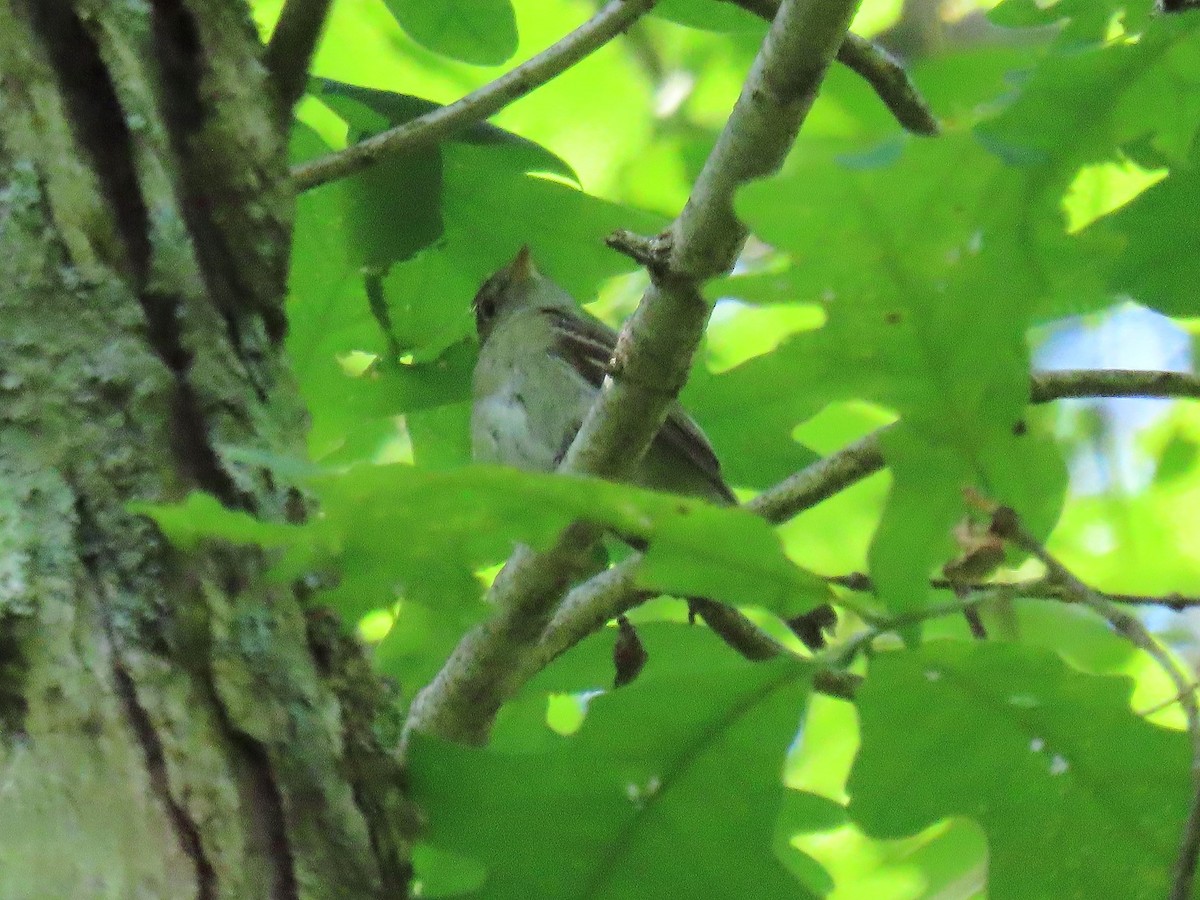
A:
(652, 360)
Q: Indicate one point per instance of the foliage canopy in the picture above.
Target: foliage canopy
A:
(892, 279)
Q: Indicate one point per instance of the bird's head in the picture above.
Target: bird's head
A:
(517, 286)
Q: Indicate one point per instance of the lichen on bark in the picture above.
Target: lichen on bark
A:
(167, 727)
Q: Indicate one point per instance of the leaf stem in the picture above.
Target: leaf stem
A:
(1033, 588)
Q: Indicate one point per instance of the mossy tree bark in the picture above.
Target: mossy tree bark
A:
(171, 724)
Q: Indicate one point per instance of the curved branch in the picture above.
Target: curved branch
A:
(590, 605)
(882, 71)
(653, 357)
(840, 470)
(736, 630)
(1033, 589)
(439, 124)
(890, 81)
(820, 481)
(654, 352)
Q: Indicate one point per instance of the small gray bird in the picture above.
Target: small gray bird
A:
(541, 362)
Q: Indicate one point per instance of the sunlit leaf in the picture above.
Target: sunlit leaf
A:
(483, 32)
(1050, 762)
(666, 777)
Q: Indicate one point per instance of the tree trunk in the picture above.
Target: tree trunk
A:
(171, 724)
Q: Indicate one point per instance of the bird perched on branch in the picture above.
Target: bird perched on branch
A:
(541, 363)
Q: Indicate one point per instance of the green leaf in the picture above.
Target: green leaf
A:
(1089, 14)
(749, 414)
(398, 525)
(489, 207)
(710, 15)
(202, 517)
(705, 553)
(393, 208)
(491, 210)
(920, 319)
(671, 788)
(482, 32)
(915, 534)
(1094, 95)
(431, 619)
(928, 321)
(356, 103)
(399, 530)
(1177, 459)
(1078, 796)
(1160, 231)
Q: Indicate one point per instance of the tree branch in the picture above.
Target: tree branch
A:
(439, 124)
(1033, 588)
(652, 359)
(1047, 386)
(820, 481)
(589, 606)
(290, 50)
(736, 630)
(890, 81)
(840, 470)
(877, 67)
(879, 626)
(654, 352)
(1007, 525)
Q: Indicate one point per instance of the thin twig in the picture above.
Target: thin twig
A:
(843, 654)
(651, 252)
(882, 71)
(1033, 588)
(652, 360)
(836, 683)
(1047, 386)
(1169, 702)
(1007, 525)
(820, 481)
(290, 50)
(478, 105)
(840, 470)
(736, 630)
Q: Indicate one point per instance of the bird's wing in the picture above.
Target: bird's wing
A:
(680, 432)
(583, 343)
(587, 345)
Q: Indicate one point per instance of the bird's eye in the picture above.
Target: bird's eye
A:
(487, 307)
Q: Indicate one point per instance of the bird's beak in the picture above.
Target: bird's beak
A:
(522, 268)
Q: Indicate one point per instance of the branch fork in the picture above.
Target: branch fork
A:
(495, 658)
